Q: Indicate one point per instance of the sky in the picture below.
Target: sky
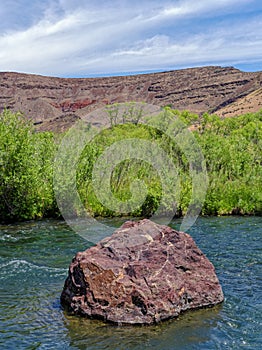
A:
(77, 38)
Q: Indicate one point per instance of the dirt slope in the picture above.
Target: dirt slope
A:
(250, 103)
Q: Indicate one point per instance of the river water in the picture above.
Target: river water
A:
(34, 259)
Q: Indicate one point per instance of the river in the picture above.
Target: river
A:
(34, 259)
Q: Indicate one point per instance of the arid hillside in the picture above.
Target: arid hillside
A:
(248, 104)
(56, 103)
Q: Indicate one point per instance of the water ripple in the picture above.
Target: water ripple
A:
(34, 259)
(26, 266)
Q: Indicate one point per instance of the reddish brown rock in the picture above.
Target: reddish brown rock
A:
(144, 273)
(50, 102)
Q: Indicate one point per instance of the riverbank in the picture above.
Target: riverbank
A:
(231, 159)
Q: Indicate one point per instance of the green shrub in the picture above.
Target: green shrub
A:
(26, 170)
(232, 150)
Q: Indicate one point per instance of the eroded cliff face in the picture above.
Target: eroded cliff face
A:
(56, 103)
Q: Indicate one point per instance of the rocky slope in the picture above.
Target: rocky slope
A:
(55, 103)
(248, 104)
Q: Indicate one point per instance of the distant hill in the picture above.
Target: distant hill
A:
(56, 103)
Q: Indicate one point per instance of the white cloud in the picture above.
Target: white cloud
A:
(141, 35)
(192, 8)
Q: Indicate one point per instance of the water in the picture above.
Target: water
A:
(34, 258)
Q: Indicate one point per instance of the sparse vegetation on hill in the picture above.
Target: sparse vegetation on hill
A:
(54, 104)
(232, 150)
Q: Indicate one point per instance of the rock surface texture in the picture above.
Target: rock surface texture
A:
(144, 273)
(57, 103)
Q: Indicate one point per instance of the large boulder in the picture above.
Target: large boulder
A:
(144, 273)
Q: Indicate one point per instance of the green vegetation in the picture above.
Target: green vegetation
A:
(232, 150)
(123, 174)
(26, 160)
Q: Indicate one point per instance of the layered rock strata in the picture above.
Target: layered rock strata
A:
(56, 103)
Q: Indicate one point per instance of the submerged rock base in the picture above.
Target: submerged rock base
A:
(144, 273)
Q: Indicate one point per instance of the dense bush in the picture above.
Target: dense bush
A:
(123, 174)
(232, 150)
(26, 160)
